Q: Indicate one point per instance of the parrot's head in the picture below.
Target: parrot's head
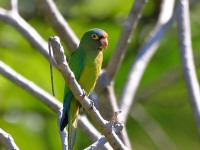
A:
(94, 39)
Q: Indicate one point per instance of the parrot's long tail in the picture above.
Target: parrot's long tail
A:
(64, 122)
(72, 125)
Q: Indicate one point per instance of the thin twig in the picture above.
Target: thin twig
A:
(58, 23)
(7, 141)
(145, 54)
(14, 5)
(125, 37)
(104, 126)
(51, 68)
(186, 53)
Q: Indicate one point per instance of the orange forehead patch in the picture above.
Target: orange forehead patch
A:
(105, 35)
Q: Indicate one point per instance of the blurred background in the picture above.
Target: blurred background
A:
(162, 91)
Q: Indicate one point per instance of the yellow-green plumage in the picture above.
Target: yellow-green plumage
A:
(86, 64)
(91, 71)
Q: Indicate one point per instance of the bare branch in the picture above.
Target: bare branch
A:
(7, 141)
(29, 86)
(104, 126)
(26, 30)
(144, 56)
(187, 57)
(14, 5)
(125, 37)
(58, 23)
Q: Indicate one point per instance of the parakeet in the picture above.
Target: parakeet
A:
(86, 64)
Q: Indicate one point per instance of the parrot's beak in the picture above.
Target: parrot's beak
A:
(104, 43)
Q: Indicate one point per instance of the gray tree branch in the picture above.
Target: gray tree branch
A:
(14, 5)
(125, 37)
(145, 54)
(29, 86)
(58, 23)
(186, 53)
(7, 141)
(13, 18)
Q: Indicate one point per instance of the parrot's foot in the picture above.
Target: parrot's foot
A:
(84, 94)
(91, 105)
(91, 102)
(81, 109)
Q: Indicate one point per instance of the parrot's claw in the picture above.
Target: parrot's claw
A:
(84, 94)
(91, 102)
(81, 109)
(91, 105)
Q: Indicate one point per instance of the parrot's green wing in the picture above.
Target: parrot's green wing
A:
(70, 106)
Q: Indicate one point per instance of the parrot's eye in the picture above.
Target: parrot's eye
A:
(95, 37)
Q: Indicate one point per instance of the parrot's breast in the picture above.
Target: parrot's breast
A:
(91, 71)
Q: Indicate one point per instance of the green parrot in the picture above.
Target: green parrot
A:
(86, 64)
